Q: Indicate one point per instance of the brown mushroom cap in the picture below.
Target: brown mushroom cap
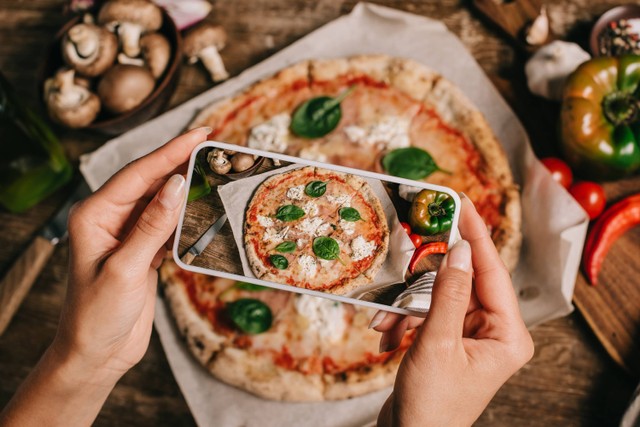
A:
(123, 87)
(89, 49)
(204, 35)
(68, 103)
(156, 52)
(141, 12)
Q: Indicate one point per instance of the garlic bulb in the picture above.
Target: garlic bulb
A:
(549, 67)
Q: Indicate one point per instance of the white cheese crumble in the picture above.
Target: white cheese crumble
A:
(312, 153)
(326, 317)
(341, 200)
(310, 208)
(274, 236)
(296, 193)
(265, 221)
(391, 131)
(300, 243)
(272, 135)
(361, 249)
(312, 226)
(349, 227)
(308, 265)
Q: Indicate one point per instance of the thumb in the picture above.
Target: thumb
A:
(155, 225)
(451, 294)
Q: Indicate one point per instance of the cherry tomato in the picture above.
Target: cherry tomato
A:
(416, 239)
(560, 171)
(590, 196)
(407, 227)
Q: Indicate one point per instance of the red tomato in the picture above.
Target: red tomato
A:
(416, 239)
(560, 171)
(407, 227)
(590, 196)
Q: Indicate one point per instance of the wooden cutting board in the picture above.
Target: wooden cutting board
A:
(612, 308)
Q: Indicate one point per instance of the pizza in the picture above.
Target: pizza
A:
(392, 104)
(317, 229)
(277, 344)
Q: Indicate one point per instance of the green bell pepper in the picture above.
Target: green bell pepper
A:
(600, 117)
(431, 212)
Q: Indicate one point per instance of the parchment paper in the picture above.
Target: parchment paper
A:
(554, 225)
(236, 195)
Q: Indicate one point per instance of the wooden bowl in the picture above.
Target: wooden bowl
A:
(628, 11)
(110, 124)
(233, 176)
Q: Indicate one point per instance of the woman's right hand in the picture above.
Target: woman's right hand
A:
(472, 341)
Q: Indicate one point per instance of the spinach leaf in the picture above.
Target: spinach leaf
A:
(289, 213)
(410, 162)
(318, 116)
(279, 262)
(286, 247)
(315, 188)
(326, 248)
(350, 214)
(244, 286)
(250, 315)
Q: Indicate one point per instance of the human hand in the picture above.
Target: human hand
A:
(472, 341)
(117, 239)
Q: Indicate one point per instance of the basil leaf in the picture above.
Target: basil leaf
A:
(326, 248)
(244, 286)
(289, 213)
(349, 214)
(286, 247)
(315, 188)
(317, 117)
(279, 262)
(250, 315)
(410, 162)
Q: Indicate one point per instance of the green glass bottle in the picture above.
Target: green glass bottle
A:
(32, 161)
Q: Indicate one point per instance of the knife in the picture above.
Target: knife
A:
(203, 241)
(15, 285)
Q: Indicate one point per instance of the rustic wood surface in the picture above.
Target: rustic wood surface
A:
(571, 381)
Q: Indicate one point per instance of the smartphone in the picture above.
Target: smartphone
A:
(313, 228)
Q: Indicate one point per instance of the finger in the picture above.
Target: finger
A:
(392, 339)
(142, 175)
(493, 285)
(451, 294)
(158, 258)
(154, 227)
(384, 321)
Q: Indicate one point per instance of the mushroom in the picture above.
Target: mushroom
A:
(218, 162)
(123, 87)
(203, 43)
(131, 19)
(155, 51)
(89, 49)
(68, 103)
(240, 162)
(124, 59)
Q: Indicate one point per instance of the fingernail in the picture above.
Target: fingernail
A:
(377, 319)
(206, 129)
(459, 256)
(172, 194)
(464, 196)
(384, 343)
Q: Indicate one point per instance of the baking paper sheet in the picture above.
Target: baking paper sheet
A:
(554, 226)
(236, 195)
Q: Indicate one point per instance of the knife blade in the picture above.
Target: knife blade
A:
(204, 240)
(15, 285)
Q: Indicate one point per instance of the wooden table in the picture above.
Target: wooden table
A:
(570, 381)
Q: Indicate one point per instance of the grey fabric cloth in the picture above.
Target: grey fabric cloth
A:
(417, 297)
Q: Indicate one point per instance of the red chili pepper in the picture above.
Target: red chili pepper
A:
(425, 250)
(612, 224)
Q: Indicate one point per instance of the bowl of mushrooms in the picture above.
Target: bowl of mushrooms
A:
(112, 70)
(232, 164)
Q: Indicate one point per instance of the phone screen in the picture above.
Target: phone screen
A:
(308, 227)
